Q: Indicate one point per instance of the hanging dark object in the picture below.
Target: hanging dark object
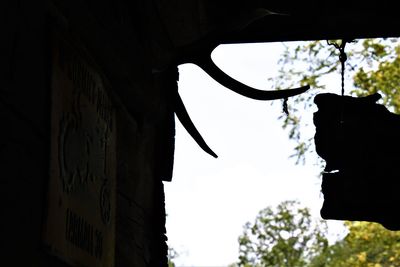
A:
(358, 139)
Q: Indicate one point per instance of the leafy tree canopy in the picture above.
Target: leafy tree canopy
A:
(285, 236)
(289, 236)
(366, 245)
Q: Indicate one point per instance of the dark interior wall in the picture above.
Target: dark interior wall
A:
(24, 142)
(144, 157)
(120, 42)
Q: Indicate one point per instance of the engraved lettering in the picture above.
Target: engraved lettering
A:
(85, 81)
(83, 235)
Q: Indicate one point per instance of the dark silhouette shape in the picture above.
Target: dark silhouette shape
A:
(199, 53)
(359, 140)
(184, 118)
(204, 61)
(221, 77)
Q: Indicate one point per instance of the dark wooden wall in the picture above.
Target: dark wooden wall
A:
(119, 39)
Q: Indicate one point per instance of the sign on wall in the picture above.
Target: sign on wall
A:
(80, 221)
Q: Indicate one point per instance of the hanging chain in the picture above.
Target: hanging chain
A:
(342, 58)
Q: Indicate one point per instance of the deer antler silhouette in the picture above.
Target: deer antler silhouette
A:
(202, 58)
(205, 62)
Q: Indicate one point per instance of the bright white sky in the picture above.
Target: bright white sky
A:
(209, 200)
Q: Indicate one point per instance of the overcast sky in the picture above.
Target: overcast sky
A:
(209, 200)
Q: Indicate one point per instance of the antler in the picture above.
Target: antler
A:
(207, 64)
(187, 123)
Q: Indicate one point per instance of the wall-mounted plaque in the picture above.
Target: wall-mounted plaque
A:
(80, 223)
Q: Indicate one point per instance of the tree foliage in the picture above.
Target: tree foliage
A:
(366, 245)
(172, 254)
(373, 65)
(285, 236)
(289, 236)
